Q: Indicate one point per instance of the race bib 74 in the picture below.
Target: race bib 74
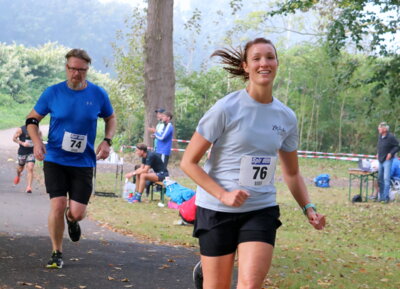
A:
(74, 143)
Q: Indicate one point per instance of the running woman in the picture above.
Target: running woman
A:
(236, 197)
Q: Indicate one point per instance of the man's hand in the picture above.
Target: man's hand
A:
(39, 150)
(151, 129)
(130, 175)
(103, 151)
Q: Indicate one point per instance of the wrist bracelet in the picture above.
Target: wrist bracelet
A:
(309, 205)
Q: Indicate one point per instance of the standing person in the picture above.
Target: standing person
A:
(70, 157)
(25, 157)
(387, 147)
(164, 138)
(236, 196)
(150, 160)
(159, 127)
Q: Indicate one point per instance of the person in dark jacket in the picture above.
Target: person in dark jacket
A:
(387, 147)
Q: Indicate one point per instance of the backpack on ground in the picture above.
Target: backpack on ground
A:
(322, 181)
(356, 199)
(187, 210)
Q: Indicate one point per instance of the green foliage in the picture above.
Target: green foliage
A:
(372, 26)
(197, 92)
(127, 92)
(329, 100)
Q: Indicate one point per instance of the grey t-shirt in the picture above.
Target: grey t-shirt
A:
(238, 126)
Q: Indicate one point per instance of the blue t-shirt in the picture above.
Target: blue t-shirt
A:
(240, 127)
(75, 112)
(164, 140)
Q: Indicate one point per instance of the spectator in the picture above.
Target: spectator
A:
(387, 147)
(159, 127)
(150, 160)
(164, 138)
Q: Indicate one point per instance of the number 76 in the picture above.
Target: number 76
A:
(260, 170)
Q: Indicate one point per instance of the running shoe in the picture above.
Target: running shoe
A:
(74, 230)
(29, 190)
(16, 180)
(198, 276)
(137, 198)
(55, 261)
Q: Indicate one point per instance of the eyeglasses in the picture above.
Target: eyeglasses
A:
(74, 69)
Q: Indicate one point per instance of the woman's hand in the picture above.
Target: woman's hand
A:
(234, 198)
(316, 220)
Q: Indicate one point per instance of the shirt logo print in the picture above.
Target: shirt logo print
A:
(278, 129)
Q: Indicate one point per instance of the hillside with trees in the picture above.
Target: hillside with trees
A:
(339, 95)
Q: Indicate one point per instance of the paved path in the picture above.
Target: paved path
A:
(101, 260)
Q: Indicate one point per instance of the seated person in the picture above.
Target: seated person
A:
(150, 160)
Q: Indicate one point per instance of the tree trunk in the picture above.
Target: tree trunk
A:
(159, 71)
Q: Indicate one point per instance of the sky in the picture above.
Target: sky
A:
(184, 5)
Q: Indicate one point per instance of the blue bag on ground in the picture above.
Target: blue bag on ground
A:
(178, 193)
(322, 181)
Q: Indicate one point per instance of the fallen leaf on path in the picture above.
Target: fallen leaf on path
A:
(384, 280)
(82, 286)
(163, 267)
(125, 280)
(21, 283)
(110, 278)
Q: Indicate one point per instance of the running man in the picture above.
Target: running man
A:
(25, 157)
(70, 156)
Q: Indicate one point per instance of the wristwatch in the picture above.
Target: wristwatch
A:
(108, 140)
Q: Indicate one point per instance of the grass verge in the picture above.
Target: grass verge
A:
(359, 248)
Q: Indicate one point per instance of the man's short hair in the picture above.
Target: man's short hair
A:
(142, 147)
(384, 124)
(79, 53)
(167, 113)
(160, 110)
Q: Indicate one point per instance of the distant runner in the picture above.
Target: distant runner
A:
(25, 157)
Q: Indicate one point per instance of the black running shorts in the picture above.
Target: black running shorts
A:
(220, 233)
(60, 180)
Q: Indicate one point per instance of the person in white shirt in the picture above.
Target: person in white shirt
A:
(236, 197)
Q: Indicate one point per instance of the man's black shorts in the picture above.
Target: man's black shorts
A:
(60, 180)
(220, 233)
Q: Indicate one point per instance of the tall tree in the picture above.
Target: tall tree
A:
(159, 71)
